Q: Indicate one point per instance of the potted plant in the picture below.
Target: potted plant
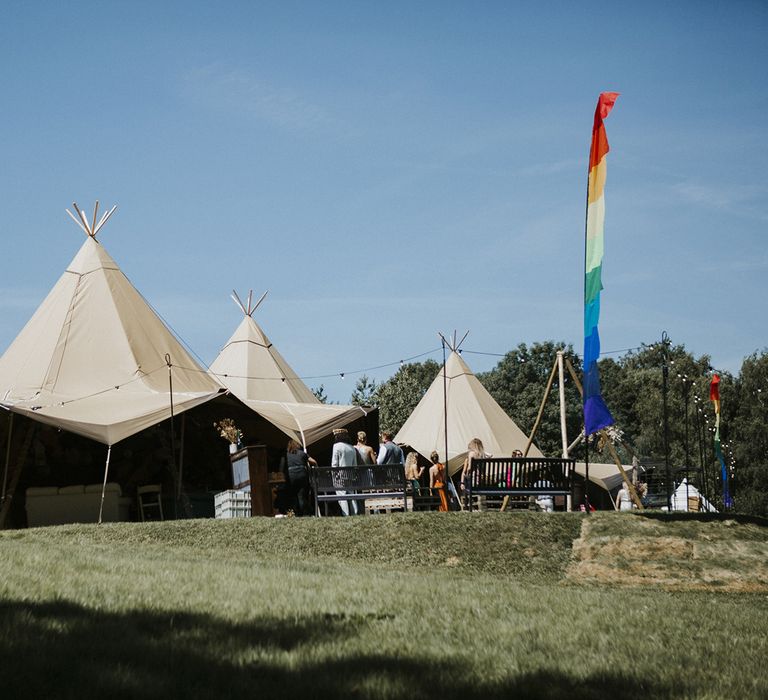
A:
(230, 432)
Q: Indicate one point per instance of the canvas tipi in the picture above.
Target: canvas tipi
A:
(471, 413)
(686, 494)
(256, 373)
(94, 359)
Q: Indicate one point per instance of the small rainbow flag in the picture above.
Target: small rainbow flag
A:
(596, 413)
(714, 397)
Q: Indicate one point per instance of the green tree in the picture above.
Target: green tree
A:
(320, 394)
(744, 433)
(518, 383)
(365, 392)
(399, 395)
(633, 390)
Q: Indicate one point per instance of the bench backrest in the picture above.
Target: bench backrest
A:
(521, 474)
(377, 477)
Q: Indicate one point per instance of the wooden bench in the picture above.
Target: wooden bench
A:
(492, 478)
(425, 498)
(361, 484)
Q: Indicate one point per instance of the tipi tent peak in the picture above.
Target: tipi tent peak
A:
(249, 308)
(453, 345)
(91, 228)
(253, 370)
(456, 400)
(94, 358)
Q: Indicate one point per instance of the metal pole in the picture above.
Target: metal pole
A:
(586, 470)
(174, 473)
(445, 421)
(686, 398)
(665, 378)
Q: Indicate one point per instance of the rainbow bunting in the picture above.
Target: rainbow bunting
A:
(714, 396)
(596, 413)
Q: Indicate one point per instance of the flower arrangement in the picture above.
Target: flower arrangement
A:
(229, 431)
(613, 434)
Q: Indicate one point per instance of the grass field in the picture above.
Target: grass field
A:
(483, 605)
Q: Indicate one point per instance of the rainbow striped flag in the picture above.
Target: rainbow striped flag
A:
(714, 396)
(596, 413)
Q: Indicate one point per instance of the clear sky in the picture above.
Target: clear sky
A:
(389, 170)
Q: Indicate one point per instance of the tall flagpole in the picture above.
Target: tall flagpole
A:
(596, 413)
(584, 369)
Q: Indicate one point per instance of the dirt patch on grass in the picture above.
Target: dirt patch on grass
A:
(717, 560)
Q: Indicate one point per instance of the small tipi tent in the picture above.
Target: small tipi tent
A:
(256, 373)
(687, 491)
(94, 359)
(471, 413)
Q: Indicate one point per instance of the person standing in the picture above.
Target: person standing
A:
(413, 471)
(437, 480)
(475, 450)
(294, 466)
(623, 498)
(389, 453)
(344, 455)
(367, 455)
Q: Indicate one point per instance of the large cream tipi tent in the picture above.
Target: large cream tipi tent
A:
(94, 359)
(256, 373)
(471, 413)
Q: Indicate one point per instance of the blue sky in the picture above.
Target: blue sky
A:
(391, 170)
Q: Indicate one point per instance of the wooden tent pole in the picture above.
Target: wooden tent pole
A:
(104, 485)
(104, 220)
(95, 214)
(541, 408)
(563, 427)
(561, 388)
(551, 379)
(79, 223)
(630, 486)
(611, 448)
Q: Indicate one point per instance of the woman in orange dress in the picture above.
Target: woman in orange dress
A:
(437, 480)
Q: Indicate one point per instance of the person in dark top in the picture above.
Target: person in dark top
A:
(294, 466)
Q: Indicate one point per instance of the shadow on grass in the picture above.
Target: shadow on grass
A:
(61, 650)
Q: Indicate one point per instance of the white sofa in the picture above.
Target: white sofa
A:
(50, 505)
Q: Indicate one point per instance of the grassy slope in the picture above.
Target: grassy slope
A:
(419, 605)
